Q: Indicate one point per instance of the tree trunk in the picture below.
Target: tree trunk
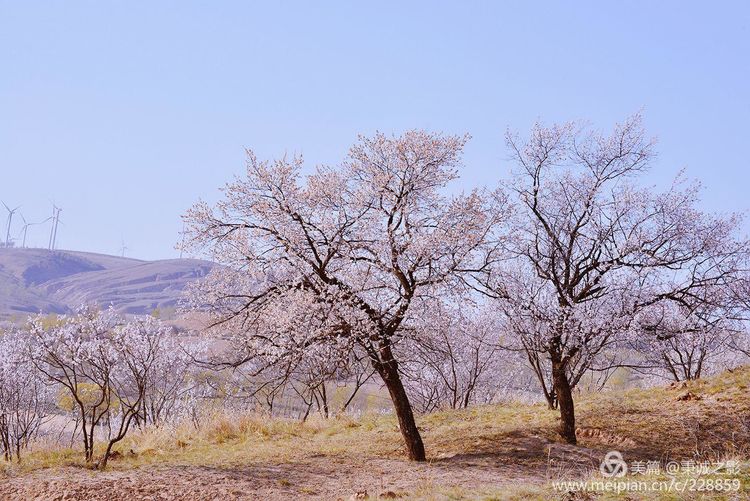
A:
(564, 402)
(324, 400)
(358, 384)
(388, 370)
(551, 401)
(103, 461)
(540, 372)
(307, 411)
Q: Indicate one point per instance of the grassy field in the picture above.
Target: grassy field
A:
(504, 451)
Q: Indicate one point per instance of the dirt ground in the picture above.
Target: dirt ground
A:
(535, 460)
(500, 451)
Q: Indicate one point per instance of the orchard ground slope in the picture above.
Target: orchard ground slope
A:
(505, 451)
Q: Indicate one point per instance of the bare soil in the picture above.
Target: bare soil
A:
(536, 461)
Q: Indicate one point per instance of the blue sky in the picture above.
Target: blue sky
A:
(125, 113)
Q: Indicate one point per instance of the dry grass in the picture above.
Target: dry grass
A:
(642, 423)
(231, 439)
(658, 424)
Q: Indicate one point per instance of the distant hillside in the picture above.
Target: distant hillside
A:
(34, 280)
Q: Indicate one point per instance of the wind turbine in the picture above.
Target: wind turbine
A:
(53, 231)
(123, 248)
(10, 220)
(25, 228)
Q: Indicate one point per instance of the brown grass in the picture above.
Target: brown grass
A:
(641, 423)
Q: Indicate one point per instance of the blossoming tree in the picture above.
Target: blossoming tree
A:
(25, 399)
(591, 248)
(105, 366)
(338, 258)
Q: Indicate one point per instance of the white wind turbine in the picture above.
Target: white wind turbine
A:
(25, 228)
(10, 221)
(55, 221)
(123, 248)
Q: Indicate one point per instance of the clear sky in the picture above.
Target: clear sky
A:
(125, 113)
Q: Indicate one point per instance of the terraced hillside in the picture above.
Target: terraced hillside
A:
(39, 280)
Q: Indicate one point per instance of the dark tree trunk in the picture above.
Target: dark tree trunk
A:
(564, 402)
(324, 400)
(124, 426)
(551, 401)
(307, 411)
(388, 370)
(103, 461)
(540, 372)
(358, 384)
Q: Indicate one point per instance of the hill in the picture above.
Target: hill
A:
(495, 452)
(39, 280)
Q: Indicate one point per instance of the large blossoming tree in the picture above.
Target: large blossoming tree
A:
(336, 260)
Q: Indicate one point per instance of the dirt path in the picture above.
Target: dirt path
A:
(327, 478)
